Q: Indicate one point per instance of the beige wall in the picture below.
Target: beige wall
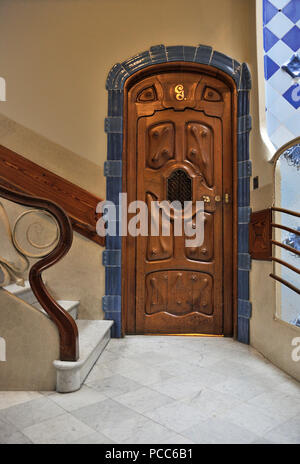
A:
(32, 344)
(55, 56)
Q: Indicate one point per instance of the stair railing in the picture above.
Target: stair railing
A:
(293, 250)
(67, 328)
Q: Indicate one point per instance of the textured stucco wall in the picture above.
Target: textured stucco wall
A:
(32, 344)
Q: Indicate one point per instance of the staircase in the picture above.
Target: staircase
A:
(93, 337)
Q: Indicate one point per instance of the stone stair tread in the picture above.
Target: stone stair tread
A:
(89, 334)
(93, 337)
(17, 289)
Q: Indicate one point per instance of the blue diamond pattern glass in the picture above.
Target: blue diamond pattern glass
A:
(281, 39)
(292, 95)
(270, 67)
(269, 11)
(292, 38)
(269, 39)
(292, 11)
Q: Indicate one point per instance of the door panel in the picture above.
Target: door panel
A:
(177, 125)
(179, 292)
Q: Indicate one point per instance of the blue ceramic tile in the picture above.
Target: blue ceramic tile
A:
(243, 330)
(113, 168)
(270, 67)
(269, 39)
(175, 53)
(292, 95)
(111, 76)
(243, 238)
(113, 243)
(292, 38)
(116, 331)
(243, 146)
(244, 191)
(114, 146)
(116, 78)
(223, 62)
(113, 277)
(113, 188)
(243, 285)
(237, 76)
(189, 53)
(244, 261)
(244, 309)
(203, 54)
(243, 103)
(114, 124)
(244, 124)
(244, 214)
(269, 11)
(137, 62)
(158, 54)
(115, 103)
(111, 258)
(245, 82)
(111, 303)
(244, 169)
(292, 11)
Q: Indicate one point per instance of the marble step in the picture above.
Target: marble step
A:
(26, 294)
(70, 306)
(93, 338)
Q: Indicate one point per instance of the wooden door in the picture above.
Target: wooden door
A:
(179, 147)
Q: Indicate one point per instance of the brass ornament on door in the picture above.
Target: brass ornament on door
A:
(179, 92)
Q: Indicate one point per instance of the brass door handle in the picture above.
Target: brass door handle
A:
(227, 198)
(206, 199)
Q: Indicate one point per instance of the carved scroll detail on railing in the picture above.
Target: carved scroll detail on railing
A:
(9, 270)
(13, 271)
(65, 323)
(40, 228)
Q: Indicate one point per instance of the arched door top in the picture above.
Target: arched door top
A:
(202, 54)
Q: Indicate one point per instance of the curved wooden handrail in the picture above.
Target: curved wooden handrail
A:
(285, 211)
(288, 229)
(68, 332)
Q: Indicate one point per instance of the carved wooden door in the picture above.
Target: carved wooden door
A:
(179, 148)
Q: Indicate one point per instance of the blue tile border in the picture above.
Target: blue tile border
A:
(244, 169)
(111, 258)
(117, 76)
(113, 168)
(113, 124)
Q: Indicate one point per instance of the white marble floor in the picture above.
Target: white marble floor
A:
(163, 390)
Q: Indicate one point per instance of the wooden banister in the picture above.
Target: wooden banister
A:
(286, 211)
(22, 175)
(286, 283)
(68, 332)
(288, 229)
(286, 247)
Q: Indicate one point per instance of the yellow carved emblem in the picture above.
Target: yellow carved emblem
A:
(179, 91)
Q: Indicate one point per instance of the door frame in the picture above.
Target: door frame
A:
(122, 76)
